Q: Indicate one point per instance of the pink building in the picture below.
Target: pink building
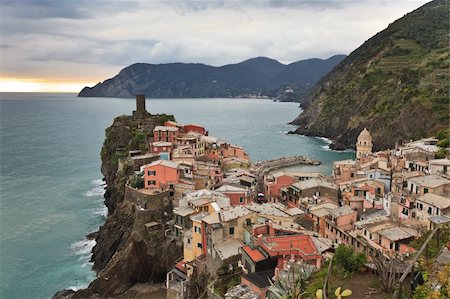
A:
(237, 195)
(273, 184)
(161, 174)
(165, 133)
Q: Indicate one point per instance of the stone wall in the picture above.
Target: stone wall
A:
(155, 202)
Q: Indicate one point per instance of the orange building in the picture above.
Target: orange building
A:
(194, 128)
(161, 174)
(161, 147)
(231, 150)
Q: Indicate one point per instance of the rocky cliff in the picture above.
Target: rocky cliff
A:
(127, 254)
(258, 76)
(395, 84)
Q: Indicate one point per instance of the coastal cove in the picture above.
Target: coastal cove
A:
(51, 181)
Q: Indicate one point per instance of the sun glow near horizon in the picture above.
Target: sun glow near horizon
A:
(39, 85)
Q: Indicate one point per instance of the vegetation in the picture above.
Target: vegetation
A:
(433, 249)
(228, 275)
(436, 287)
(291, 284)
(137, 180)
(346, 259)
(395, 84)
(443, 144)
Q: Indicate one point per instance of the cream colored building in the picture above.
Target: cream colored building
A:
(364, 144)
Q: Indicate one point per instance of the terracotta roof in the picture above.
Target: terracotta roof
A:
(288, 243)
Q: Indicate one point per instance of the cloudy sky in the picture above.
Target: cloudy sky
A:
(63, 45)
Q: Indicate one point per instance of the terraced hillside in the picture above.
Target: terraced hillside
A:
(395, 84)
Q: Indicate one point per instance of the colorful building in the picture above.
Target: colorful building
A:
(165, 133)
(161, 174)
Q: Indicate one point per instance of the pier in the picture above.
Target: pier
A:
(262, 168)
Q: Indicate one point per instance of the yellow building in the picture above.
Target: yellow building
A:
(364, 144)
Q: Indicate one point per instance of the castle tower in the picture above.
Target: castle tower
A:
(140, 106)
(363, 144)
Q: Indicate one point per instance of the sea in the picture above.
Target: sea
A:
(51, 188)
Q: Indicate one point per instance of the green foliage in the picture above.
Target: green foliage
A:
(441, 153)
(162, 118)
(316, 281)
(137, 180)
(139, 138)
(443, 134)
(291, 284)
(433, 248)
(227, 277)
(346, 259)
(116, 157)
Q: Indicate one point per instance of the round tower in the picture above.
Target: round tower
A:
(363, 144)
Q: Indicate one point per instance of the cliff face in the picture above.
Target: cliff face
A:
(395, 84)
(257, 76)
(127, 253)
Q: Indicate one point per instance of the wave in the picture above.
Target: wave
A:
(98, 189)
(328, 141)
(83, 247)
(102, 211)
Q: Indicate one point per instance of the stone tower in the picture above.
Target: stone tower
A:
(363, 144)
(140, 106)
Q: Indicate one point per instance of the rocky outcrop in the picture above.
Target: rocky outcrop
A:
(127, 254)
(254, 77)
(395, 85)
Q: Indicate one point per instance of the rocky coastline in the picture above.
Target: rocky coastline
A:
(129, 262)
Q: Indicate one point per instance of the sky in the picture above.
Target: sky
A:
(64, 45)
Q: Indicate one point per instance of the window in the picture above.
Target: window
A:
(420, 206)
(405, 211)
(151, 183)
(248, 221)
(430, 210)
(199, 245)
(231, 230)
(352, 175)
(151, 172)
(241, 199)
(391, 245)
(397, 246)
(437, 211)
(189, 241)
(365, 233)
(198, 230)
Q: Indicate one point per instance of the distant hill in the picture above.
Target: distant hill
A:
(395, 84)
(257, 76)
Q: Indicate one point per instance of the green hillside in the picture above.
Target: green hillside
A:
(396, 84)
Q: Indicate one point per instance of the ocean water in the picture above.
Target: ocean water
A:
(51, 192)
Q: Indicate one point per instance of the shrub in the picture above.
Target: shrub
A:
(349, 261)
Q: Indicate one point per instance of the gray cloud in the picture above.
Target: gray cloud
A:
(93, 39)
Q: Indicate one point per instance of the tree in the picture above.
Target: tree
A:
(346, 259)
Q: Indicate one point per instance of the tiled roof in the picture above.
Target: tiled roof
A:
(440, 202)
(302, 243)
(254, 254)
(164, 128)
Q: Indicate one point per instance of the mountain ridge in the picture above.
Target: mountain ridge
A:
(259, 76)
(395, 84)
